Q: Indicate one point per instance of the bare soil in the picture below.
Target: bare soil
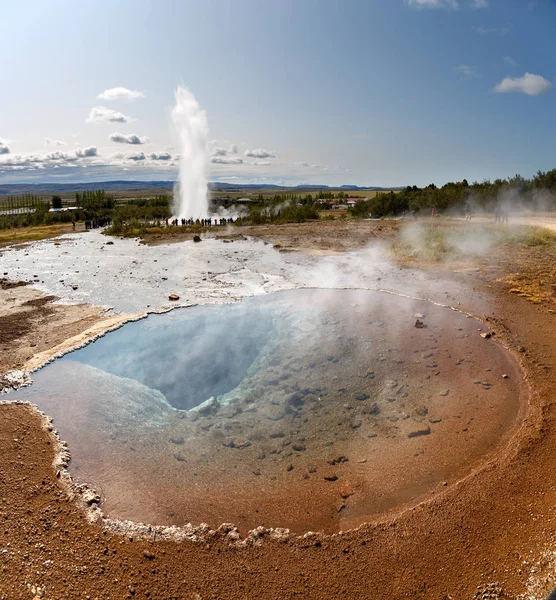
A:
(491, 535)
(315, 237)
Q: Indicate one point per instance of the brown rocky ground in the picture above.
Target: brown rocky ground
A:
(315, 237)
(489, 536)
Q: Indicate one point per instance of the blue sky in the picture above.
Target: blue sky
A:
(375, 92)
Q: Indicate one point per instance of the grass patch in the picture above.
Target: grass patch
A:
(32, 233)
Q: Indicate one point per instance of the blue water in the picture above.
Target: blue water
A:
(190, 354)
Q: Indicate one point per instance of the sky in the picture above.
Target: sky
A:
(364, 92)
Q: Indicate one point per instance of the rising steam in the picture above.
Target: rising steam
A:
(190, 194)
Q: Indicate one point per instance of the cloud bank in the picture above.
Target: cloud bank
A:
(131, 138)
(260, 153)
(50, 142)
(529, 84)
(120, 93)
(101, 114)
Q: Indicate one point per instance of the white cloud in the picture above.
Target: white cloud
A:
(479, 4)
(160, 156)
(260, 153)
(50, 142)
(529, 84)
(101, 114)
(261, 163)
(86, 152)
(131, 138)
(4, 148)
(223, 160)
(57, 159)
(232, 149)
(511, 61)
(467, 71)
(119, 93)
(135, 156)
(433, 4)
(303, 164)
(220, 152)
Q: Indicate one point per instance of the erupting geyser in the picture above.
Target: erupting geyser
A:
(190, 194)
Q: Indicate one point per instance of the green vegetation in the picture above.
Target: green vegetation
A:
(448, 240)
(533, 193)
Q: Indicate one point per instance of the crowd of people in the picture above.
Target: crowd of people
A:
(203, 222)
(96, 222)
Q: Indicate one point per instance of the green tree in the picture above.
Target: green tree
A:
(56, 202)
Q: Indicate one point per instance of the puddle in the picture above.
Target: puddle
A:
(307, 409)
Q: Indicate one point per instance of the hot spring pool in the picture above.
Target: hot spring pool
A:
(307, 409)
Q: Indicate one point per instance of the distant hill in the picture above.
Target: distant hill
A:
(14, 189)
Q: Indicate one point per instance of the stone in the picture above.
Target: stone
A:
(110, 243)
(241, 443)
(421, 411)
(299, 447)
(486, 335)
(197, 238)
(331, 477)
(177, 440)
(419, 324)
(505, 376)
(274, 412)
(338, 460)
(346, 491)
(289, 468)
(91, 498)
(444, 393)
(362, 396)
(419, 431)
(355, 423)
(173, 297)
(149, 555)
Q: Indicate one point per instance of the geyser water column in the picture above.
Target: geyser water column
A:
(190, 193)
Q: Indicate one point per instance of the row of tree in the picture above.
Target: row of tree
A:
(539, 192)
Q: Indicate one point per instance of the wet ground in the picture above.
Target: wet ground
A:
(307, 409)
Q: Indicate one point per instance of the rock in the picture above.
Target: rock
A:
(173, 297)
(257, 472)
(346, 491)
(274, 412)
(505, 376)
(74, 287)
(419, 431)
(91, 498)
(331, 477)
(240, 443)
(149, 555)
(486, 335)
(177, 440)
(341, 507)
(419, 324)
(355, 423)
(299, 447)
(338, 460)
(435, 420)
(362, 396)
(374, 409)
(421, 411)
(110, 243)
(289, 467)
(444, 393)
(208, 407)
(277, 434)
(197, 238)
(179, 457)
(296, 399)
